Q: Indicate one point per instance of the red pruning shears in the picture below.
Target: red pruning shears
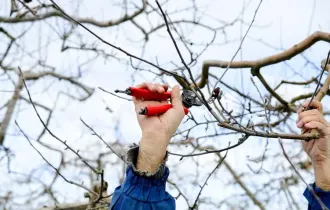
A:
(188, 99)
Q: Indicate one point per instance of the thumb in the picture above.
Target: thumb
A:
(176, 98)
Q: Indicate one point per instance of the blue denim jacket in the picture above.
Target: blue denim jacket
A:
(147, 191)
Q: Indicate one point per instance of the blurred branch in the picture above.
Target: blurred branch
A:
(243, 186)
(10, 110)
(208, 177)
(63, 13)
(91, 21)
(35, 76)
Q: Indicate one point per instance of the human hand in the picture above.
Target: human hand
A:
(157, 130)
(318, 149)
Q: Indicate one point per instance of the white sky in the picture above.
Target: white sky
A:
(281, 23)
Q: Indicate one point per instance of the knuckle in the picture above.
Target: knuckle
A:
(304, 120)
(316, 111)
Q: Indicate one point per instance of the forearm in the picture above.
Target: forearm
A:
(321, 187)
(152, 152)
(322, 174)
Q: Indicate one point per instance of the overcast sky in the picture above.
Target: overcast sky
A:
(279, 23)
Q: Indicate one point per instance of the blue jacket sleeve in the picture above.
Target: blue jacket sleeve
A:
(143, 193)
(324, 196)
(142, 190)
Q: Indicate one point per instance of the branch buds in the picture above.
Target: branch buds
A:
(216, 94)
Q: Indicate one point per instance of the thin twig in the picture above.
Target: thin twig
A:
(229, 114)
(180, 192)
(116, 47)
(201, 96)
(284, 187)
(50, 132)
(96, 134)
(181, 58)
(265, 105)
(240, 141)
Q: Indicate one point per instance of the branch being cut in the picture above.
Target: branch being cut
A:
(268, 135)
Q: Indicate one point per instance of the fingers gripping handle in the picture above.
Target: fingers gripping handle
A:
(148, 95)
(313, 131)
(158, 110)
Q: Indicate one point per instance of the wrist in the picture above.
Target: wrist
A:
(152, 152)
(154, 144)
(147, 162)
(322, 174)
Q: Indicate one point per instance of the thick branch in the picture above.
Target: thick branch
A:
(273, 59)
(266, 85)
(35, 76)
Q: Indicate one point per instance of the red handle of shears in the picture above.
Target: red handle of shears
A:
(148, 95)
(159, 109)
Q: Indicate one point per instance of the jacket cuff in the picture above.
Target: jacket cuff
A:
(131, 158)
(323, 195)
(139, 192)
